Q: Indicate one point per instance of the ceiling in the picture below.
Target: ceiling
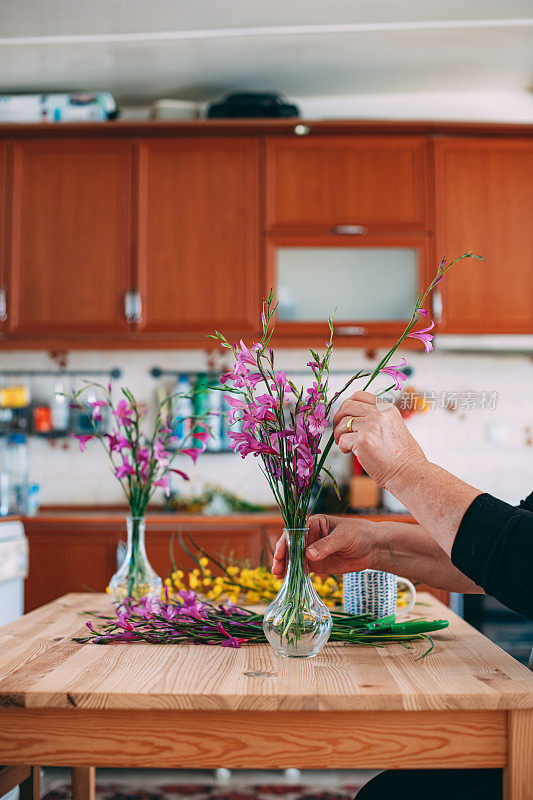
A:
(144, 49)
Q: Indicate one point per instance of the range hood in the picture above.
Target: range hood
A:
(483, 343)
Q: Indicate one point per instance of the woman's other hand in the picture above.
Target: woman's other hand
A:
(377, 435)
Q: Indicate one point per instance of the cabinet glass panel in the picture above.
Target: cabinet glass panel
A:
(362, 283)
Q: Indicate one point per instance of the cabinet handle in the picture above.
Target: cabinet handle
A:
(3, 305)
(137, 306)
(133, 307)
(129, 308)
(437, 305)
(349, 230)
(351, 330)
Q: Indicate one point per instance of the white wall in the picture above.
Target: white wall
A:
(491, 449)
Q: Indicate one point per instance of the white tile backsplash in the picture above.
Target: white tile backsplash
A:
(486, 448)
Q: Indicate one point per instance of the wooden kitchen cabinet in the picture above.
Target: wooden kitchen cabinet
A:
(484, 202)
(198, 235)
(77, 552)
(346, 184)
(372, 283)
(69, 241)
(3, 212)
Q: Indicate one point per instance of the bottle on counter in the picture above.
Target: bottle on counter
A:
(4, 479)
(59, 407)
(17, 468)
(207, 401)
(183, 408)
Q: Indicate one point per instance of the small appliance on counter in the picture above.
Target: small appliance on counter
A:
(174, 109)
(252, 104)
(58, 107)
(13, 570)
(364, 492)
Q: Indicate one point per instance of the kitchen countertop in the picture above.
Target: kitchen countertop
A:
(84, 514)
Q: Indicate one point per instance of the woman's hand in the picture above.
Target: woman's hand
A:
(338, 545)
(335, 546)
(377, 436)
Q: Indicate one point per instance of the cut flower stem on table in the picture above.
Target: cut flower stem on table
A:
(188, 620)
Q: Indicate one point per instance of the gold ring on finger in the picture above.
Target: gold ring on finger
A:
(349, 424)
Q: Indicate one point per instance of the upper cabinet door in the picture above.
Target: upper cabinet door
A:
(69, 257)
(484, 203)
(198, 248)
(346, 184)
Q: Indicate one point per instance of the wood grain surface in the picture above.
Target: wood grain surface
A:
(246, 739)
(42, 668)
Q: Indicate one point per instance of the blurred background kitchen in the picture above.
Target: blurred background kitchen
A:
(162, 165)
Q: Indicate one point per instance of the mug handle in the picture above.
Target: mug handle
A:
(412, 600)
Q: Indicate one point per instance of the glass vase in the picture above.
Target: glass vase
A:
(135, 578)
(297, 623)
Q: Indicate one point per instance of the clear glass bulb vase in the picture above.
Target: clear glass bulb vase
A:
(135, 578)
(297, 623)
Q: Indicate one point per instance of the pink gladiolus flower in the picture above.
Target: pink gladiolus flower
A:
(244, 443)
(201, 435)
(230, 641)
(317, 422)
(236, 406)
(124, 412)
(181, 474)
(393, 371)
(313, 395)
(82, 438)
(97, 406)
(123, 470)
(422, 311)
(244, 354)
(164, 484)
(192, 452)
(143, 454)
(169, 612)
(160, 454)
(122, 622)
(265, 414)
(280, 381)
(267, 400)
(117, 441)
(424, 336)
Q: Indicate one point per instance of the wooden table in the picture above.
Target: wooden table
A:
(467, 705)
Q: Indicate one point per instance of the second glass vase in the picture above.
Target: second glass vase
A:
(297, 623)
(135, 578)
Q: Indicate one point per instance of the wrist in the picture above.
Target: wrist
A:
(380, 555)
(407, 474)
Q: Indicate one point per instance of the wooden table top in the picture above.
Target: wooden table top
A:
(42, 668)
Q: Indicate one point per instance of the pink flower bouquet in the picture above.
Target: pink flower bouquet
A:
(141, 462)
(283, 425)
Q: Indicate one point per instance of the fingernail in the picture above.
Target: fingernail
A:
(311, 551)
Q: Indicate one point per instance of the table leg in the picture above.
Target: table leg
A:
(518, 775)
(30, 789)
(83, 783)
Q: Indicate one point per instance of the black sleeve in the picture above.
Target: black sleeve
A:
(527, 503)
(494, 547)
